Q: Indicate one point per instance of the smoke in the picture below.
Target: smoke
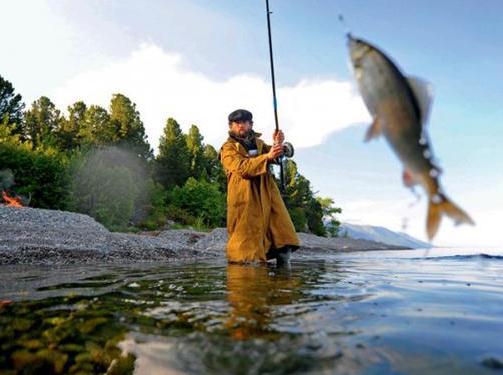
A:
(6, 179)
(111, 185)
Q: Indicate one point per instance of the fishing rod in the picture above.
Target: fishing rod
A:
(275, 105)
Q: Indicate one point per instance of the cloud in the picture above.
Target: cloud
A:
(161, 87)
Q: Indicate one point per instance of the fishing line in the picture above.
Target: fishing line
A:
(343, 22)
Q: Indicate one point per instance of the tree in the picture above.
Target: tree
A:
(41, 176)
(41, 121)
(304, 209)
(199, 202)
(214, 171)
(329, 211)
(8, 132)
(129, 129)
(70, 130)
(104, 188)
(196, 151)
(97, 128)
(11, 106)
(173, 162)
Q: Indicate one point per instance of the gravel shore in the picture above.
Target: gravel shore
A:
(39, 236)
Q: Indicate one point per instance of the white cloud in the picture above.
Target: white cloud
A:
(161, 87)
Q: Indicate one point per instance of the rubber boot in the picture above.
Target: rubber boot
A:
(283, 257)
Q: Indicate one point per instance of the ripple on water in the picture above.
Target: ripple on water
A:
(342, 315)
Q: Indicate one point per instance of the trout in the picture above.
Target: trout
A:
(399, 107)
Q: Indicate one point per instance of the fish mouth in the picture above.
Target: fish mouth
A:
(358, 49)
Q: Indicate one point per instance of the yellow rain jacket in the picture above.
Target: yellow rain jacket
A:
(258, 222)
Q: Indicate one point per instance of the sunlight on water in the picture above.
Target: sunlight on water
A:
(413, 312)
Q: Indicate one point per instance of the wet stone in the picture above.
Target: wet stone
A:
(494, 363)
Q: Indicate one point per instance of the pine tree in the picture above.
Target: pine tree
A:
(173, 161)
(129, 128)
(70, 129)
(196, 151)
(213, 168)
(98, 128)
(41, 122)
(11, 106)
(306, 212)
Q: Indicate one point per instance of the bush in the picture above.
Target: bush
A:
(103, 190)
(196, 203)
(40, 175)
(156, 207)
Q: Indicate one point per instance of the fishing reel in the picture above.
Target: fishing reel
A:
(288, 150)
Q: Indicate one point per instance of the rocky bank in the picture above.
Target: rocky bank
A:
(39, 236)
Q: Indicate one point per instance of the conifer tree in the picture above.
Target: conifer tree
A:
(11, 106)
(173, 161)
(196, 151)
(41, 122)
(306, 212)
(98, 128)
(129, 128)
(70, 129)
(213, 168)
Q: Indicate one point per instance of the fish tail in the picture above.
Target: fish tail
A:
(444, 206)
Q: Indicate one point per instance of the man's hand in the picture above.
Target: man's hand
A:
(275, 152)
(278, 137)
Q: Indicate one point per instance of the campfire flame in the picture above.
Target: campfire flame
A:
(11, 201)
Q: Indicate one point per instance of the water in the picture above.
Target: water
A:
(398, 312)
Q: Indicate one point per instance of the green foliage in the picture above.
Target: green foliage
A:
(11, 106)
(298, 216)
(40, 175)
(103, 189)
(304, 209)
(195, 146)
(197, 201)
(129, 129)
(70, 130)
(213, 170)
(173, 162)
(98, 128)
(314, 216)
(332, 225)
(42, 121)
(8, 132)
(156, 206)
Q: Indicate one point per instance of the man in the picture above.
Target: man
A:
(258, 223)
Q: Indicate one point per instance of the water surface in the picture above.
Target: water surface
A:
(397, 312)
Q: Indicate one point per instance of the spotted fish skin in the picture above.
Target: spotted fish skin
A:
(399, 107)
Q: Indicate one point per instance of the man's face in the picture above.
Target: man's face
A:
(241, 128)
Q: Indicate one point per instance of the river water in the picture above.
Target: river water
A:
(385, 312)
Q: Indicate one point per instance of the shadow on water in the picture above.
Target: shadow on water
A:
(321, 316)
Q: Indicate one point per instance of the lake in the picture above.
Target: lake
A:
(384, 312)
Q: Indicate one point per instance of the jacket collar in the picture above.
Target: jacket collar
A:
(242, 150)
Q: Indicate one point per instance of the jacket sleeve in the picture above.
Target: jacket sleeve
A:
(234, 162)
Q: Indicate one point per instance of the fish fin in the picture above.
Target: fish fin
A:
(374, 130)
(445, 206)
(423, 92)
(408, 178)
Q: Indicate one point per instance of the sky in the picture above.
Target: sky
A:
(197, 60)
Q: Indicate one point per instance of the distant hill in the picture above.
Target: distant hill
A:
(383, 235)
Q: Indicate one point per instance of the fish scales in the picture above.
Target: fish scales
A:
(400, 116)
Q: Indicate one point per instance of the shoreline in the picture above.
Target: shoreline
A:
(41, 236)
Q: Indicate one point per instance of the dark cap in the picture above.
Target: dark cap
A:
(240, 115)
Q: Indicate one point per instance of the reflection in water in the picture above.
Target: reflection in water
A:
(358, 314)
(252, 292)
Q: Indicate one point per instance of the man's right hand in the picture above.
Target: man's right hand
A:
(275, 152)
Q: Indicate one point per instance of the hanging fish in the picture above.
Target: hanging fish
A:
(400, 107)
